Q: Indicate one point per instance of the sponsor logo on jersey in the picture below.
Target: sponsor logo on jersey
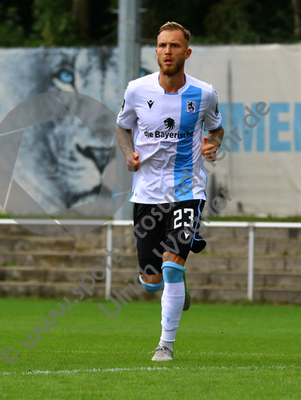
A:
(190, 106)
(168, 135)
(169, 123)
(150, 103)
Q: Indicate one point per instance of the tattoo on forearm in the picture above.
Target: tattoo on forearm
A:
(125, 140)
(216, 137)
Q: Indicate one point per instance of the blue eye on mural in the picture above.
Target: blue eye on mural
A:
(66, 76)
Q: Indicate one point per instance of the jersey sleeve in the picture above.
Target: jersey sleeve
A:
(213, 118)
(127, 116)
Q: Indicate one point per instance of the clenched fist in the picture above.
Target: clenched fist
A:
(133, 162)
(208, 150)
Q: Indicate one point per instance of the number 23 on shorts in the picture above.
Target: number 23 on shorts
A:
(182, 215)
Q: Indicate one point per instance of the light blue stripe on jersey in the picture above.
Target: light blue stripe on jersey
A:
(184, 157)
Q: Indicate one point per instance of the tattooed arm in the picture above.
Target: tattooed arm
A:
(125, 141)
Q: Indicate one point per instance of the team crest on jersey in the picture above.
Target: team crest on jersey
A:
(190, 106)
(169, 123)
(216, 109)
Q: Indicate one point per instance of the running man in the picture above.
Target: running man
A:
(159, 130)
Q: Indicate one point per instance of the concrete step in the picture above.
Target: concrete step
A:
(34, 243)
(260, 233)
(209, 263)
(58, 259)
(272, 294)
(262, 246)
(206, 292)
(61, 259)
(210, 232)
(49, 289)
(44, 230)
(237, 279)
(41, 274)
(91, 242)
(202, 262)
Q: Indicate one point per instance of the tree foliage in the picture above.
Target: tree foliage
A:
(11, 31)
(54, 23)
(190, 14)
(250, 21)
(91, 22)
(230, 22)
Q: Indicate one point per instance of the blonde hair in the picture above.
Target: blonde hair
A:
(174, 26)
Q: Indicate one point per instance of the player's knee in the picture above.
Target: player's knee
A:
(172, 272)
(152, 287)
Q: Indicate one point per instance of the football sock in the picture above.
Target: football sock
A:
(152, 287)
(185, 284)
(172, 300)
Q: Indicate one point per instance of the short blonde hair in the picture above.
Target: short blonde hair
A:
(174, 26)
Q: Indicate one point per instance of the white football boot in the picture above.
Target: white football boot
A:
(163, 354)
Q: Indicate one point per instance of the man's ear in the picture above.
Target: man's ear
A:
(188, 53)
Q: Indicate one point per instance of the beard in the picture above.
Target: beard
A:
(171, 70)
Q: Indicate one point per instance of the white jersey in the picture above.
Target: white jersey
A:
(167, 135)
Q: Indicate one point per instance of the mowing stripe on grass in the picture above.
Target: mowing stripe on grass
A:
(203, 368)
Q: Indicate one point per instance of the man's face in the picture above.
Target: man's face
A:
(172, 51)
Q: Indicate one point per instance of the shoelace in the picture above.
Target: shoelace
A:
(164, 348)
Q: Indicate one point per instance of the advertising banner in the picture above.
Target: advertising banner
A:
(60, 158)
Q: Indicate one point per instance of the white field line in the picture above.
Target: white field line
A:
(203, 353)
(202, 368)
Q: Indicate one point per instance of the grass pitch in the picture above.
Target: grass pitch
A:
(221, 352)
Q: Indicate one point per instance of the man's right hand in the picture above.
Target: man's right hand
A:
(208, 150)
(133, 162)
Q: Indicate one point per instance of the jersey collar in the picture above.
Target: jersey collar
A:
(161, 89)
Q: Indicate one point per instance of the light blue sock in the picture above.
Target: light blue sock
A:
(172, 272)
(152, 287)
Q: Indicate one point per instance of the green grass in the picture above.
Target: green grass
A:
(221, 352)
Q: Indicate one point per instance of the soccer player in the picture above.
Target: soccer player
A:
(159, 130)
